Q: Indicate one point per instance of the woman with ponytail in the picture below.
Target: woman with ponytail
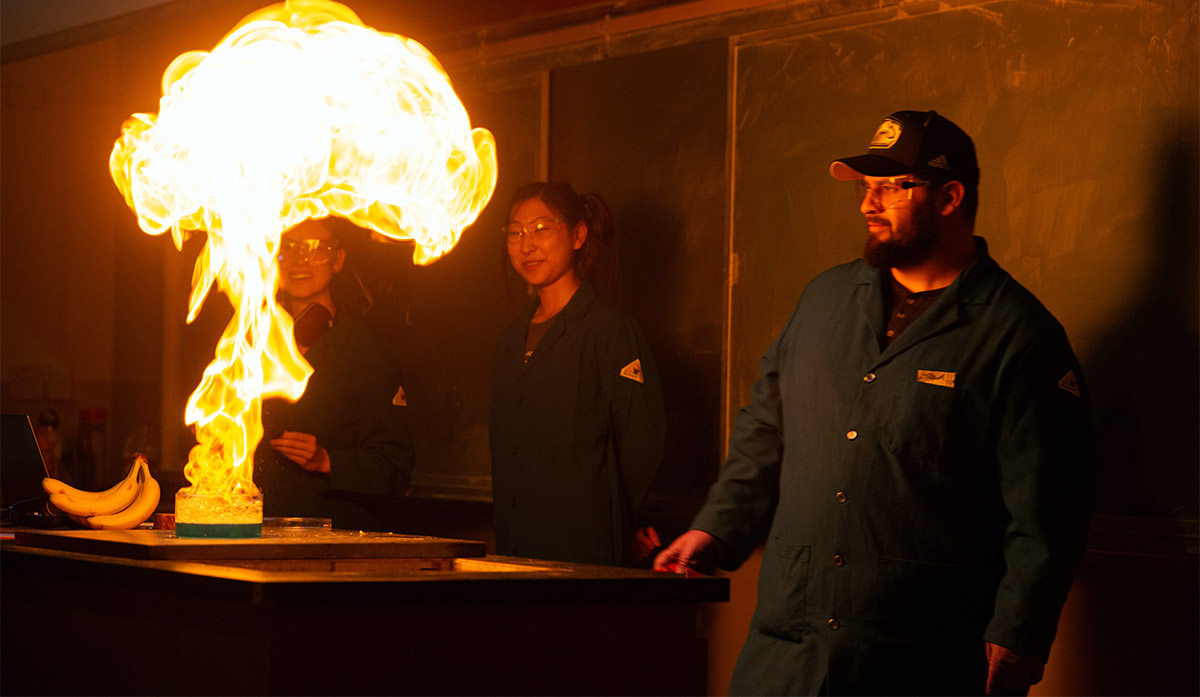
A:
(576, 422)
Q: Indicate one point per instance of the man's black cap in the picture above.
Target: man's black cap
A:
(924, 143)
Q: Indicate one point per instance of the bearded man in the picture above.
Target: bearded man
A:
(916, 458)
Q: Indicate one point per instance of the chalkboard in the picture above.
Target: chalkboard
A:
(648, 133)
(1085, 122)
(444, 319)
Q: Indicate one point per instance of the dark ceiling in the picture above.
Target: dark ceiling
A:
(32, 27)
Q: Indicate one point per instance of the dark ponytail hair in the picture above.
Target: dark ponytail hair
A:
(349, 292)
(596, 260)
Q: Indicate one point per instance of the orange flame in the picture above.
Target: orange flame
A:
(300, 112)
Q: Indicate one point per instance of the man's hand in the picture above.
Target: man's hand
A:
(645, 543)
(1008, 673)
(302, 449)
(694, 550)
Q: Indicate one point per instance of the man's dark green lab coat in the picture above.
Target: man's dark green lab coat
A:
(916, 500)
(576, 434)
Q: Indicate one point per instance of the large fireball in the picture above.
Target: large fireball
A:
(300, 112)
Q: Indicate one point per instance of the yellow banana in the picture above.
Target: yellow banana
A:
(142, 508)
(56, 486)
(74, 501)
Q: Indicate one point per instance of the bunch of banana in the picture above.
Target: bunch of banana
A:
(122, 507)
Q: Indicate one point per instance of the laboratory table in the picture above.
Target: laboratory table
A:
(336, 612)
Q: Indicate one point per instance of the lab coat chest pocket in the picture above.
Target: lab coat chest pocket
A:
(782, 587)
(926, 415)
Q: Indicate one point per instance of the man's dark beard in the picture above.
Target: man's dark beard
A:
(903, 253)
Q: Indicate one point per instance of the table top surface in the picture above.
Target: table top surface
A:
(275, 543)
(302, 566)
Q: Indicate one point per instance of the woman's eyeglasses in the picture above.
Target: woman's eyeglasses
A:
(538, 230)
(314, 250)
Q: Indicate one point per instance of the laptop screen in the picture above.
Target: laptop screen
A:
(21, 465)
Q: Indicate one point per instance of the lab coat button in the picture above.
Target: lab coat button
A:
(841, 497)
(869, 377)
(851, 435)
(838, 560)
(834, 624)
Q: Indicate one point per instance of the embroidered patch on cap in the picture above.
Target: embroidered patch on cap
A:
(936, 377)
(399, 400)
(887, 135)
(1069, 383)
(633, 371)
(940, 162)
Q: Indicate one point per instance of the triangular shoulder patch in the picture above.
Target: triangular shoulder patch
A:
(1069, 383)
(633, 371)
(400, 400)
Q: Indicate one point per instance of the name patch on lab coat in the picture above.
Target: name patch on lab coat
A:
(936, 377)
(400, 400)
(633, 371)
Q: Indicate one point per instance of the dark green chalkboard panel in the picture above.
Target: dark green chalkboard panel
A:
(444, 319)
(1085, 121)
(648, 132)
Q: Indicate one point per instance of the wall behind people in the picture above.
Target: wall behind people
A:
(444, 319)
(1085, 122)
(1100, 226)
(665, 179)
(81, 303)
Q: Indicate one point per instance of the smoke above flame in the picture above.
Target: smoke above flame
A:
(300, 112)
